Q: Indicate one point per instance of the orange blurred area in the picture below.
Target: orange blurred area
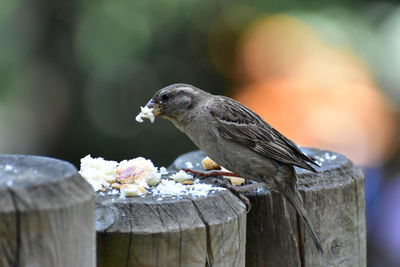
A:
(317, 94)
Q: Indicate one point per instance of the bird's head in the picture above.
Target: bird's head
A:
(173, 101)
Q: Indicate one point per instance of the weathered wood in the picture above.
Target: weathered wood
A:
(46, 214)
(184, 231)
(334, 199)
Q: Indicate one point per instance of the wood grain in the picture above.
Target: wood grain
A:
(46, 213)
(187, 231)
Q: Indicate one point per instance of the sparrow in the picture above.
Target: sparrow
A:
(238, 139)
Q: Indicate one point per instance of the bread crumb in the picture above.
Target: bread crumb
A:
(137, 177)
(236, 180)
(181, 176)
(145, 113)
(209, 164)
(163, 171)
(170, 187)
(116, 185)
(98, 171)
(132, 190)
(189, 165)
(104, 174)
(139, 171)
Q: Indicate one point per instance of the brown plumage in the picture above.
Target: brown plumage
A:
(238, 139)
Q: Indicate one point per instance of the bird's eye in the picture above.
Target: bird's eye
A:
(164, 97)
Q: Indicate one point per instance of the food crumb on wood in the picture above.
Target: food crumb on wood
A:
(170, 187)
(132, 190)
(181, 176)
(236, 180)
(138, 177)
(209, 164)
(8, 167)
(101, 173)
(189, 165)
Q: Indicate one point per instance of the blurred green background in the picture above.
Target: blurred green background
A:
(73, 75)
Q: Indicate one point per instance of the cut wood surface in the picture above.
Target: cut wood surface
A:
(171, 231)
(334, 199)
(46, 214)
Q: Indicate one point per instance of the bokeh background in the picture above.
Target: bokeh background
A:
(325, 73)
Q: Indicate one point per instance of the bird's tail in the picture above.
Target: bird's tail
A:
(295, 200)
(288, 187)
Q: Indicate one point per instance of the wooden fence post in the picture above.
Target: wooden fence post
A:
(171, 231)
(46, 214)
(334, 199)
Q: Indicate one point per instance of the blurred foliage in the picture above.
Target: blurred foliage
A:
(75, 73)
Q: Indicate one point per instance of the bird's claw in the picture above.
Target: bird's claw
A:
(234, 190)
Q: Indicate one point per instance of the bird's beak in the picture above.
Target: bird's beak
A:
(155, 106)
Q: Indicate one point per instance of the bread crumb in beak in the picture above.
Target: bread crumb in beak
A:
(145, 113)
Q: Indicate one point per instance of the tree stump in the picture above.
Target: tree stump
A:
(46, 214)
(334, 200)
(170, 231)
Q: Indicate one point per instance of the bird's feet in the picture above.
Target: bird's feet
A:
(238, 190)
(234, 190)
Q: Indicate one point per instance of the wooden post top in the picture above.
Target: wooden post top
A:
(22, 171)
(111, 211)
(171, 230)
(40, 182)
(46, 213)
(328, 161)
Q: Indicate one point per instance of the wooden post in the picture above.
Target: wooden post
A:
(171, 231)
(334, 199)
(46, 214)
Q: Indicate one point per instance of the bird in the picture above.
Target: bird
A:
(238, 139)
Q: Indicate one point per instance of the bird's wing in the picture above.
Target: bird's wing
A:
(242, 126)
